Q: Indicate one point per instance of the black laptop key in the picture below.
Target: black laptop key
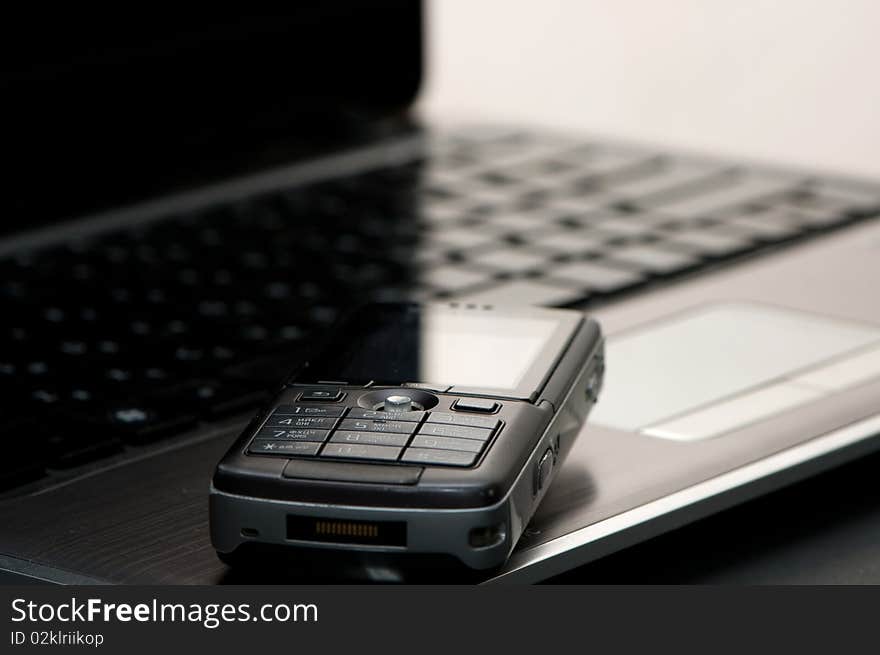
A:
(710, 243)
(530, 292)
(597, 276)
(652, 259)
(142, 422)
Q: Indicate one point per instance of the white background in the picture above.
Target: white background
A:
(792, 81)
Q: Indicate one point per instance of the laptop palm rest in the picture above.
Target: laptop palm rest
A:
(704, 373)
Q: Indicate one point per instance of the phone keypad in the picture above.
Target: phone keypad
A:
(368, 425)
(337, 432)
(286, 448)
(312, 410)
(447, 443)
(296, 434)
(457, 431)
(360, 451)
(372, 438)
(300, 421)
(438, 457)
(357, 412)
(468, 421)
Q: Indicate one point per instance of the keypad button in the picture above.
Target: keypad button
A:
(360, 451)
(325, 395)
(458, 431)
(482, 405)
(311, 410)
(296, 434)
(469, 421)
(284, 448)
(439, 457)
(300, 421)
(374, 414)
(448, 443)
(370, 438)
(376, 425)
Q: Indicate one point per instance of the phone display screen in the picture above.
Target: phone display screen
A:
(396, 344)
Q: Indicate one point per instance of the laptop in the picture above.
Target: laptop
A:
(192, 197)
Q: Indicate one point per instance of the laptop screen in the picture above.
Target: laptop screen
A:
(110, 108)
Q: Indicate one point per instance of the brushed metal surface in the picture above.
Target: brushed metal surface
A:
(727, 415)
(112, 530)
(844, 373)
(610, 471)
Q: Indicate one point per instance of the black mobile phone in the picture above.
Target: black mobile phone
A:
(416, 428)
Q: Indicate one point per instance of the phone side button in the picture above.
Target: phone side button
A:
(543, 470)
(284, 448)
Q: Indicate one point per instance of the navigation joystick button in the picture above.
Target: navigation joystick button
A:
(397, 404)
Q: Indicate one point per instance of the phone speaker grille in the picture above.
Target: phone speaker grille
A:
(341, 531)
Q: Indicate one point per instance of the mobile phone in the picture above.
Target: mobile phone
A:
(415, 428)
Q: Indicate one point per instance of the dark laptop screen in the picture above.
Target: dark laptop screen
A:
(108, 108)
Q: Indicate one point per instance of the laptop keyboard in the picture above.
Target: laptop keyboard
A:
(142, 334)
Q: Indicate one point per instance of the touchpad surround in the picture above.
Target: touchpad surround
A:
(711, 370)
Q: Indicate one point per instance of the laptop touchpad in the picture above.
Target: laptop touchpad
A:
(700, 374)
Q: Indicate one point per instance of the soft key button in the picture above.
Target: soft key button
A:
(481, 405)
(321, 395)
